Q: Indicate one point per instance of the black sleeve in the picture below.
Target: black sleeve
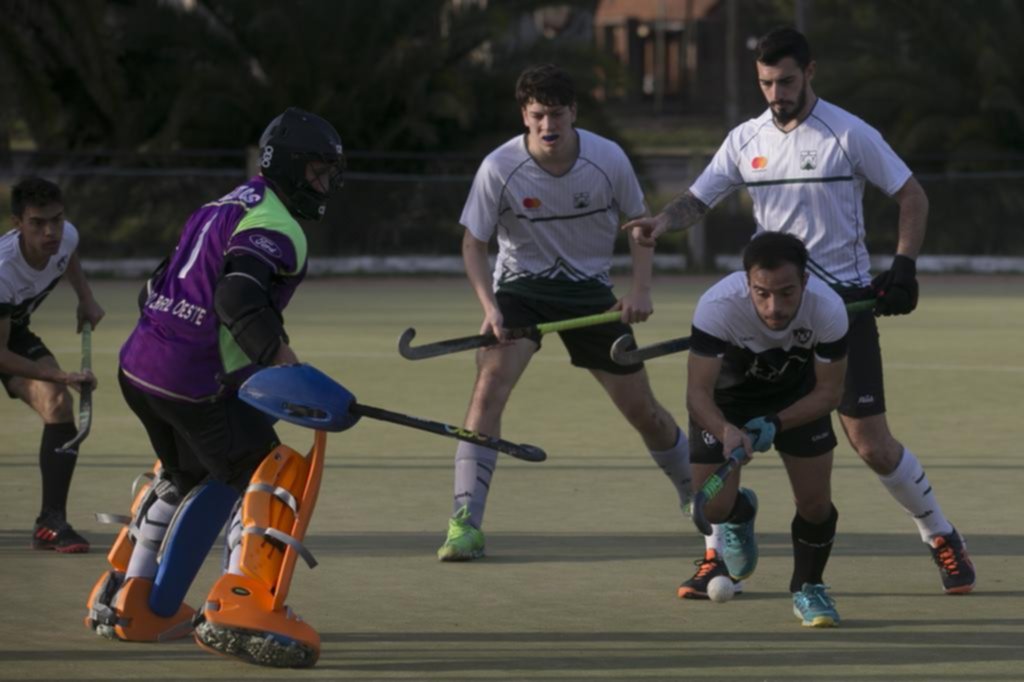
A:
(703, 343)
(243, 304)
(833, 350)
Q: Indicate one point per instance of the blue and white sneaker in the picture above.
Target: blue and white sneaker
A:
(740, 553)
(814, 607)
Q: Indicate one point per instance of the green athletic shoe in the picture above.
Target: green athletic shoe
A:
(464, 542)
(814, 607)
(740, 553)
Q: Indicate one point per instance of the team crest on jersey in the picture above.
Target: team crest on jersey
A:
(62, 263)
(265, 244)
(531, 202)
(759, 163)
(808, 159)
(581, 200)
(802, 335)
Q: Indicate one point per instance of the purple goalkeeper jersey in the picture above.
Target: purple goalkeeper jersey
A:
(179, 349)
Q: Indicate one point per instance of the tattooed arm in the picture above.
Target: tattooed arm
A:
(679, 214)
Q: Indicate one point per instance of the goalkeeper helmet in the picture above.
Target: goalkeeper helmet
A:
(287, 146)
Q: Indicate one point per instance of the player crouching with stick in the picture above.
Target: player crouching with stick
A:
(766, 368)
(210, 317)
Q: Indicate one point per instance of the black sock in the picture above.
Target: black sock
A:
(56, 467)
(812, 544)
(742, 511)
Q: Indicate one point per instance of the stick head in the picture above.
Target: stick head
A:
(405, 343)
(697, 514)
(621, 348)
(300, 394)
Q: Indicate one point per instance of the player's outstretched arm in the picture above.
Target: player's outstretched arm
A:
(679, 214)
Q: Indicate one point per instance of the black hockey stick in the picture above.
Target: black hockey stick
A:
(432, 350)
(712, 486)
(625, 352)
(622, 354)
(528, 453)
(85, 397)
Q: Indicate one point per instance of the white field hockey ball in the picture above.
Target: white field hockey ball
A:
(721, 589)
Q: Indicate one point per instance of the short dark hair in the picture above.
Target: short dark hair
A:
(782, 42)
(546, 84)
(772, 250)
(34, 191)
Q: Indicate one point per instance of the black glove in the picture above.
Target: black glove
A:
(896, 288)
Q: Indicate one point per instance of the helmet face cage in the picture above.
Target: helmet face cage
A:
(289, 144)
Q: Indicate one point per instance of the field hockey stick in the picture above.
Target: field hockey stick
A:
(527, 453)
(712, 486)
(432, 350)
(303, 395)
(85, 397)
(622, 354)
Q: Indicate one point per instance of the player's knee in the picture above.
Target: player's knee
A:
(815, 509)
(55, 405)
(881, 454)
(491, 393)
(649, 418)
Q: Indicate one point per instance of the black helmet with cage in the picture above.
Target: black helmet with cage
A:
(289, 143)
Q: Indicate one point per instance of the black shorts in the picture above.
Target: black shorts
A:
(225, 439)
(810, 440)
(26, 344)
(589, 347)
(864, 390)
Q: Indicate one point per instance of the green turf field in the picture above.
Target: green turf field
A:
(585, 550)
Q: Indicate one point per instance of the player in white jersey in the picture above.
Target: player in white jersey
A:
(33, 257)
(804, 163)
(766, 368)
(555, 197)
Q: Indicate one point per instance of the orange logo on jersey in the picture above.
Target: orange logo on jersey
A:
(531, 202)
(759, 162)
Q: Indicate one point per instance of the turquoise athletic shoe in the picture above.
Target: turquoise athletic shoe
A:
(464, 542)
(740, 553)
(814, 607)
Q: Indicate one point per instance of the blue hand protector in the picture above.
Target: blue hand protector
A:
(300, 394)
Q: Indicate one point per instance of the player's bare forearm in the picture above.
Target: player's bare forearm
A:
(913, 220)
(88, 308)
(701, 375)
(684, 211)
(643, 266)
(478, 271)
(823, 398)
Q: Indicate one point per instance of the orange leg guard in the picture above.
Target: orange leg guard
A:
(245, 615)
(119, 609)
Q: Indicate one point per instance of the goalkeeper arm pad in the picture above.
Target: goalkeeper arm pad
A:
(243, 305)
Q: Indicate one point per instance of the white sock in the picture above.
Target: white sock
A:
(908, 484)
(148, 536)
(474, 467)
(675, 462)
(233, 542)
(716, 540)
